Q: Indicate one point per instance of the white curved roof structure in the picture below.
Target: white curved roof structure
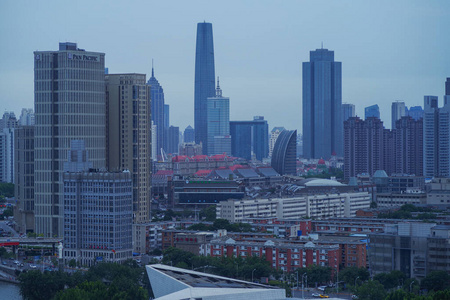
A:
(323, 182)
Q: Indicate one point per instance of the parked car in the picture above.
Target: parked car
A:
(323, 296)
(33, 266)
(316, 295)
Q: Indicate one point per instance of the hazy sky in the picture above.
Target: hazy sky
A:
(390, 50)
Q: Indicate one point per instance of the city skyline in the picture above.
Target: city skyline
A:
(388, 58)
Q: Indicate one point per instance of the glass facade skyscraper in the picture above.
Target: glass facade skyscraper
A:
(157, 100)
(69, 98)
(204, 81)
(372, 111)
(218, 124)
(348, 111)
(250, 138)
(322, 100)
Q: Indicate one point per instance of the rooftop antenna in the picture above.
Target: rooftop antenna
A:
(153, 74)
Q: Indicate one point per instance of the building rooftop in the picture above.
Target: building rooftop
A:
(176, 283)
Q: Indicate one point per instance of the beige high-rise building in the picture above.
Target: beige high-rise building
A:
(129, 142)
(69, 104)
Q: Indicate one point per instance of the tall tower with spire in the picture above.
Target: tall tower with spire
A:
(218, 124)
(157, 100)
(204, 81)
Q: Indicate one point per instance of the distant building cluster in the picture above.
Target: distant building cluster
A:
(98, 159)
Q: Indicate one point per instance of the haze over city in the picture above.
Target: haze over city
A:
(389, 50)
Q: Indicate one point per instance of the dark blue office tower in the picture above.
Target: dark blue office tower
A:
(250, 138)
(204, 80)
(322, 99)
(157, 100)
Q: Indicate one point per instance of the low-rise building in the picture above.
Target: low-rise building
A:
(413, 248)
(399, 199)
(281, 254)
(295, 207)
(175, 283)
(439, 191)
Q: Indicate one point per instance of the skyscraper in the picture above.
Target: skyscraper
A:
(436, 136)
(273, 138)
(372, 111)
(322, 100)
(408, 149)
(250, 138)
(24, 178)
(69, 97)
(398, 110)
(97, 210)
(26, 117)
(218, 123)
(415, 112)
(128, 142)
(348, 111)
(204, 80)
(284, 159)
(189, 134)
(364, 146)
(157, 99)
(173, 140)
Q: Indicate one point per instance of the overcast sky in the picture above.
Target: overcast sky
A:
(390, 50)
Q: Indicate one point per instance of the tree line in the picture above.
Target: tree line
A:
(102, 281)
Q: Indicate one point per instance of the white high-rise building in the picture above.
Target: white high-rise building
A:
(273, 138)
(69, 97)
(7, 155)
(26, 117)
(398, 111)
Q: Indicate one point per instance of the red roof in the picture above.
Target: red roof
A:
(321, 161)
(219, 157)
(202, 173)
(180, 158)
(200, 157)
(235, 167)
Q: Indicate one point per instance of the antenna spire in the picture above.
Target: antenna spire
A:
(218, 90)
(153, 73)
(322, 45)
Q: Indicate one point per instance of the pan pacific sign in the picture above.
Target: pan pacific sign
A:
(93, 58)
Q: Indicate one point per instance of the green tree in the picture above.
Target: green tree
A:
(174, 256)
(35, 285)
(350, 274)
(391, 280)
(201, 227)
(399, 295)
(221, 224)
(72, 263)
(371, 290)
(7, 189)
(436, 281)
(209, 213)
